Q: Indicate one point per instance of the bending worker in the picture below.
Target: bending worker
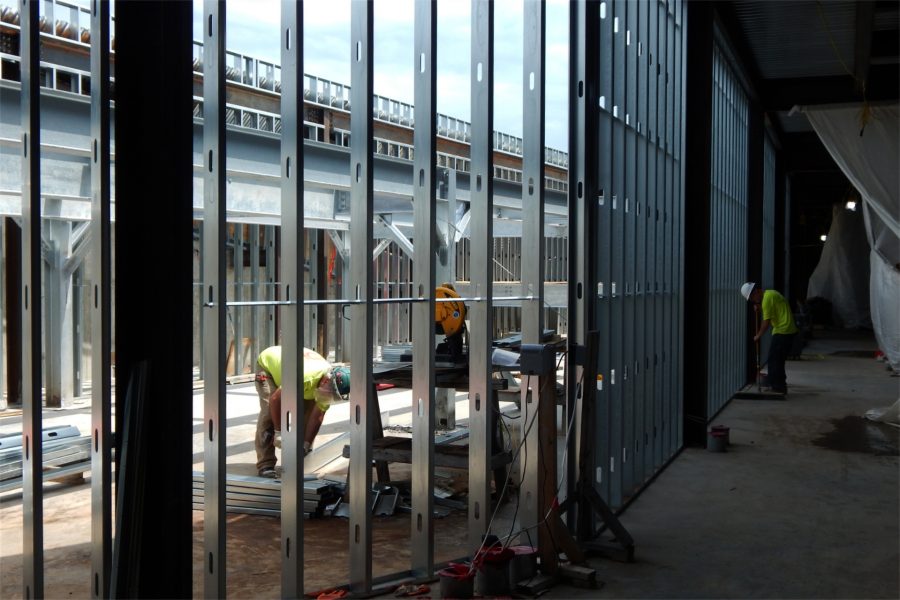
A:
(776, 313)
(323, 385)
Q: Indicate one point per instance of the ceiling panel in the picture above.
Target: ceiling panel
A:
(794, 38)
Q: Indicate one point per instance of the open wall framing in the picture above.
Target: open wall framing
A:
(611, 239)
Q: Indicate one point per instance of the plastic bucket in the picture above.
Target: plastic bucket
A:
(457, 581)
(492, 577)
(716, 441)
(523, 565)
(725, 431)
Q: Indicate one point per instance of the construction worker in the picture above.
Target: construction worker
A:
(776, 313)
(323, 384)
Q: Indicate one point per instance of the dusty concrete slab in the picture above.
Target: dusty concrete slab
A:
(782, 514)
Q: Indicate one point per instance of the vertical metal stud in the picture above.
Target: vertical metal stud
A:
(583, 213)
(533, 263)
(680, 96)
(214, 417)
(601, 293)
(361, 288)
(649, 50)
(100, 305)
(639, 41)
(659, 211)
(629, 251)
(237, 315)
(424, 190)
(292, 259)
(481, 187)
(270, 290)
(617, 380)
(32, 446)
(254, 291)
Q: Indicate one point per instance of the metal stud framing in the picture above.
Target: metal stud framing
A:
(361, 286)
(32, 477)
(481, 271)
(626, 248)
(100, 305)
(424, 190)
(727, 234)
(635, 256)
(292, 258)
(214, 297)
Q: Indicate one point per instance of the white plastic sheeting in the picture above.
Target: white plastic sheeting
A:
(884, 289)
(868, 153)
(842, 275)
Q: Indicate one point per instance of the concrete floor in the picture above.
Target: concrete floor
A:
(804, 504)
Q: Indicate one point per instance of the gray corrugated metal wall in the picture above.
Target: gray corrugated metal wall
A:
(728, 235)
(640, 243)
(768, 232)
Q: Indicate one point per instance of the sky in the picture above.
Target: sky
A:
(252, 28)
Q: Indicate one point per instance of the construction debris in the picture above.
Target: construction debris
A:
(262, 496)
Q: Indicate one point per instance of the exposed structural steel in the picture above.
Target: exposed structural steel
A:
(362, 404)
(292, 252)
(534, 393)
(214, 297)
(768, 216)
(481, 277)
(32, 443)
(632, 244)
(728, 204)
(101, 306)
(423, 394)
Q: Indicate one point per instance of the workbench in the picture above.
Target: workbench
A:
(395, 449)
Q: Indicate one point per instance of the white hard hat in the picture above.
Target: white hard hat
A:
(747, 289)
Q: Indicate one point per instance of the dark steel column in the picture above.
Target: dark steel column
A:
(214, 298)
(697, 184)
(32, 446)
(100, 305)
(13, 302)
(361, 289)
(154, 137)
(481, 190)
(424, 192)
(292, 257)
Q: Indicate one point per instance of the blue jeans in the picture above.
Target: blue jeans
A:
(778, 353)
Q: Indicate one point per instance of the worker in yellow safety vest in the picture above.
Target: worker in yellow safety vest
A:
(323, 385)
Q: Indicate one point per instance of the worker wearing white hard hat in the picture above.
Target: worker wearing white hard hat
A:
(777, 315)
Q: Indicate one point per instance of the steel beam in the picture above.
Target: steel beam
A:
(214, 298)
(425, 82)
(32, 484)
(361, 288)
(101, 305)
(480, 219)
(58, 304)
(292, 257)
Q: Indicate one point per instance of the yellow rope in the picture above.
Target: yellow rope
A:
(865, 114)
